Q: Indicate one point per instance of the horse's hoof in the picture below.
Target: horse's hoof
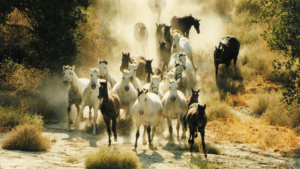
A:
(144, 142)
(172, 143)
(183, 137)
(151, 147)
(71, 121)
(93, 132)
(116, 139)
(205, 156)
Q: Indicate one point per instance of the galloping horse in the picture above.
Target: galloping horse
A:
(164, 55)
(147, 111)
(154, 85)
(167, 33)
(157, 6)
(104, 74)
(110, 105)
(141, 36)
(185, 23)
(134, 80)
(228, 49)
(75, 90)
(139, 60)
(151, 71)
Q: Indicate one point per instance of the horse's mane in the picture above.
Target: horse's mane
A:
(176, 31)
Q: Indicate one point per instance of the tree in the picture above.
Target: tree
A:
(49, 37)
(283, 34)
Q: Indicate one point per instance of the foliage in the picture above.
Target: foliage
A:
(109, 157)
(41, 34)
(282, 34)
(26, 138)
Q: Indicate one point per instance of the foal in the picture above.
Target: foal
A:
(110, 105)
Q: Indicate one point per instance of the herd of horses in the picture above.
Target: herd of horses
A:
(148, 93)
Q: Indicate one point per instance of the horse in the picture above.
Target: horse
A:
(154, 85)
(157, 6)
(104, 74)
(184, 60)
(147, 111)
(164, 54)
(174, 59)
(185, 23)
(182, 44)
(166, 83)
(181, 75)
(139, 60)
(89, 97)
(110, 105)
(174, 107)
(75, 90)
(228, 49)
(194, 97)
(126, 92)
(159, 35)
(167, 33)
(134, 80)
(151, 71)
(141, 36)
(196, 119)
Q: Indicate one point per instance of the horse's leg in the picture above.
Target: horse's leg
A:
(149, 138)
(69, 110)
(137, 135)
(90, 113)
(192, 60)
(187, 33)
(183, 136)
(178, 126)
(144, 139)
(95, 118)
(80, 114)
(170, 129)
(153, 132)
(107, 122)
(114, 128)
(216, 66)
(192, 134)
(202, 131)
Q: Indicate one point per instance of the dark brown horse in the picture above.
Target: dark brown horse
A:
(139, 60)
(164, 54)
(185, 23)
(194, 97)
(196, 119)
(151, 71)
(228, 49)
(110, 105)
(167, 33)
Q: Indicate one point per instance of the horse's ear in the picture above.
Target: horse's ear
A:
(64, 68)
(216, 47)
(178, 80)
(122, 53)
(151, 60)
(106, 62)
(146, 91)
(204, 106)
(156, 24)
(192, 90)
(199, 20)
(99, 61)
(198, 91)
(73, 67)
(190, 15)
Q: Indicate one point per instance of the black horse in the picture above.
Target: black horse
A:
(167, 33)
(185, 23)
(151, 71)
(228, 49)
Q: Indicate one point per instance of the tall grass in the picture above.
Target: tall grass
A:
(219, 110)
(112, 158)
(26, 138)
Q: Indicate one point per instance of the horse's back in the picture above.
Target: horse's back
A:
(232, 43)
(115, 98)
(185, 46)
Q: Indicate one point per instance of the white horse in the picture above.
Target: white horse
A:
(90, 97)
(183, 78)
(126, 92)
(174, 107)
(185, 61)
(182, 44)
(104, 74)
(174, 59)
(154, 85)
(135, 81)
(147, 111)
(157, 6)
(141, 36)
(165, 85)
(75, 90)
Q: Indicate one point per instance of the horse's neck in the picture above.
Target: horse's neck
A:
(75, 83)
(189, 21)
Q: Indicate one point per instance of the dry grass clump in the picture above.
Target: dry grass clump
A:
(26, 138)
(72, 159)
(255, 131)
(219, 110)
(109, 157)
(236, 100)
(260, 103)
(11, 117)
(197, 146)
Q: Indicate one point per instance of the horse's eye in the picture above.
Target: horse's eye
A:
(123, 78)
(91, 74)
(105, 68)
(70, 73)
(146, 99)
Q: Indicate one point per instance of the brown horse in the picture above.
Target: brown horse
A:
(196, 119)
(164, 54)
(139, 60)
(167, 33)
(228, 49)
(151, 71)
(185, 23)
(194, 97)
(110, 105)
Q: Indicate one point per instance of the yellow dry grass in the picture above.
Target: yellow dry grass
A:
(255, 131)
(236, 100)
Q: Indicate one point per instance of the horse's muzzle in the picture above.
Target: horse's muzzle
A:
(141, 112)
(126, 88)
(93, 86)
(173, 99)
(174, 46)
(65, 82)
(198, 32)
(101, 77)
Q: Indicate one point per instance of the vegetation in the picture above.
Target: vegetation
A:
(72, 159)
(26, 138)
(201, 164)
(109, 157)
(219, 110)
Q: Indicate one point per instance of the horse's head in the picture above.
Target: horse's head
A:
(148, 66)
(132, 68)
(218, 53)
(182, 59)
(154, 84)
(94, 78)
(142, 99)
(143, 29)
(167, 30)
(68, 74)
(195, 93)
(125, 61)
(178, 70)
(162, 45)
(102, 68)
(159, 27)
(173, 89)
(197, 25)
(200, 114)
(102, 89)
(176, 38)
(126, 79)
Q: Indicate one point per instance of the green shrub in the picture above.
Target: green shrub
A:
(26, 138)
(109, 157)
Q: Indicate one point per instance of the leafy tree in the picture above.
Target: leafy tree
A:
(283, 34)
(46, 37)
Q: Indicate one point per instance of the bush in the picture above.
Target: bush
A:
(197, 147)
(72, 159)
(26, 138)
(260, 103)
(219, 110)
(11, 117)
(109, 157)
